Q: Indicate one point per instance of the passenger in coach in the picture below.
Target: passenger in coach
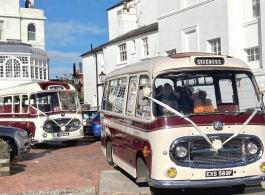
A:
(202, 104)
(185, 103)
(167, 98)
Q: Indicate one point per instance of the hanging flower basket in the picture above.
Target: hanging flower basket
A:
(4, 159)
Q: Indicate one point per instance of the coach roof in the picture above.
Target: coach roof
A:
(178, 61)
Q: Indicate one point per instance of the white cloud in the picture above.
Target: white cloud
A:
(56, 56)
(67, 33)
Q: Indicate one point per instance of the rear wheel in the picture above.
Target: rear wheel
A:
(239, 189)
(142, 171)
(109, 153)
(71, 143)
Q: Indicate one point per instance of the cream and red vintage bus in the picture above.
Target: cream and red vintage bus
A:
(49, 111)
(185, 149)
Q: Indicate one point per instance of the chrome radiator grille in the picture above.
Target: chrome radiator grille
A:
(200, 154)
(62, 122)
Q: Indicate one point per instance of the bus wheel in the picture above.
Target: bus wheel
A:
(109, 154)
(239, 189)
(12, 148)
(71, 143)
(142, 171)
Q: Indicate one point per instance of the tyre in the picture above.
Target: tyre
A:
(71, 143)
(239, 189)
(142, 171)
(12, 148)
(109, 154)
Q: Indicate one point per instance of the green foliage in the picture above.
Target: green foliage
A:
(3, 146)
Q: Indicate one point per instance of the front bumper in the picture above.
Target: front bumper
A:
(56, 139)
(205, 183)
(24, 146)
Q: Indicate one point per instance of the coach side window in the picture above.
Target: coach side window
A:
(24, 106)
(131, 96)
(111, 94)
(143, 111)
(7, 104)
(118, 101)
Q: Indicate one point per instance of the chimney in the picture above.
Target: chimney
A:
(29, 3)
(80, 67)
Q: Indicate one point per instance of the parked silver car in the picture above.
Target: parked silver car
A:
(17, 139)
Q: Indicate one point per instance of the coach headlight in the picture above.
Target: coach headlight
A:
(48, 126)
(181, 151)
(76, 123)
(252, 148)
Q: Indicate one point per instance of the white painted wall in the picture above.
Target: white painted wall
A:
(229, 20)
(16, 21)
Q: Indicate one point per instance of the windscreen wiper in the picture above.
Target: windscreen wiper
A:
(239, 113)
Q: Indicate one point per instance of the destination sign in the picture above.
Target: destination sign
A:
(54, 87)
(209, 61)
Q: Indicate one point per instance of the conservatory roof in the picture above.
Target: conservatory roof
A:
(18, 47)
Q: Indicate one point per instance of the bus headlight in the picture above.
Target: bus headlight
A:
(181, 151)
(76, 123)
(48, 126)
(252, 148)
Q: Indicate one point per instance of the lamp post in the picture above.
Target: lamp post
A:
(102, 77)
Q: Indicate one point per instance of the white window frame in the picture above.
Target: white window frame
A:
(2, 30)
(214, 44)
(254, 53)
(256, 4)
(249, 17)
(31, 32)
(145, 47)
(122, 53)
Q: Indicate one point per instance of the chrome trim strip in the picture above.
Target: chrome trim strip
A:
(205, 183)
(56, 139)
(213, 151)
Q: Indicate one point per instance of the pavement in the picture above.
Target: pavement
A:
(55, 169)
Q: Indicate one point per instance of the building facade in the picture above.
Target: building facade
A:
(22, 43)
(226, 27)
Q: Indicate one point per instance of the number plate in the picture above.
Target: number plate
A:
(62, 134)
(219, 173)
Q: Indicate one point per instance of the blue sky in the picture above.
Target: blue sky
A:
(70, 27)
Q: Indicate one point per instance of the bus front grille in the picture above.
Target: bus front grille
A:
(62, 122)
(200, 153)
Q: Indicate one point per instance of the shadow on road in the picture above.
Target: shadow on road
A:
(250, 189)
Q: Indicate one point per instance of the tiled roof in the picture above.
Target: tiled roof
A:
(133, 33)
(18, 47)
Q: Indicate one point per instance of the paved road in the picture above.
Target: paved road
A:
(56, 166)
(55, 169)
